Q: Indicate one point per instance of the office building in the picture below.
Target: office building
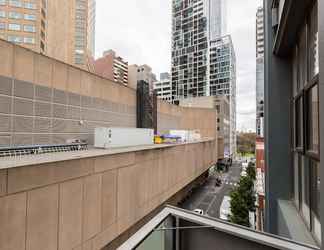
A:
(112, 67)
(294, 121)
(259, 72)
(66, 34)
(222, 106)
(140, 73)
(163, 87)
(222, 78)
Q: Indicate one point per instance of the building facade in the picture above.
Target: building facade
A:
(222, 78)
(66, 34)
(294, 95)
(203, 60)
(222, 106)
(259, 72)
(112, 67)
(163, 87)
(140, 73)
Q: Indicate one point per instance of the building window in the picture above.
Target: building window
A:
(3, 2)
(29, 28)
(15, 3)
(31, 6)
(305, 94)
(2, 13)
(15, 39)
(14, 26)
(15, 15)
(30, 17)
(29, 40)
(2, 26)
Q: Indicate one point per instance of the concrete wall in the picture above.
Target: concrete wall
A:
(86, 203)
(45, 101)
(175, 117)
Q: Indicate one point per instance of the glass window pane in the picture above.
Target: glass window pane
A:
(313, 43)
(299, 122)
(316, 200)
(296, 180)
(302, 59)
(295, 73)
(313, 119)
(305, 189)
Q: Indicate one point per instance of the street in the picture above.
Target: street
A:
(209, 197)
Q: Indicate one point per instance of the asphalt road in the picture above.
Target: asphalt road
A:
(209, 197)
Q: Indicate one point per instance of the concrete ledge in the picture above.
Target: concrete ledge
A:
(20, 161)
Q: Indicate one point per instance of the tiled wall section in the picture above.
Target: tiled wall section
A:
(34, 114)
(87, 203)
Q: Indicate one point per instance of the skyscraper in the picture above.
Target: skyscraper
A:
(66, 34)
(203, 57)
(259, 72)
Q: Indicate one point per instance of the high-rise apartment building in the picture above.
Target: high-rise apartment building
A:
(259, 72)
(112, 67)
(163, 87)
(64, 33)
(222, 78)
(203, 59)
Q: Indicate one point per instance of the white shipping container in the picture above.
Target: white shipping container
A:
(123, 137)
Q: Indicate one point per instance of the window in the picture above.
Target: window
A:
(14, 26)
(15, 15)
(15, 3)
(3, 2)
(313, 43)
(29, 40)
(15, 39)
(2, 26)
(29, 28)
(2, 13)
(31, 6)
(313, 120)
(30, 17)
(306, 124)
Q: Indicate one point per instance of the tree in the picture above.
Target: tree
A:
(246, 143)
(242, 201)
(251, 171)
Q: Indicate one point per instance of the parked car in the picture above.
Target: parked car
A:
(199, 211)
(225, 209)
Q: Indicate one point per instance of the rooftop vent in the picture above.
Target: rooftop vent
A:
(41, 149)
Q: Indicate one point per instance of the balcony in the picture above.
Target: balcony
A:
(174, 228)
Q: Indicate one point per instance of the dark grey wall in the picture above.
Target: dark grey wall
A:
(277, 126)
(210, 239)
(33, 114)
(321, 104)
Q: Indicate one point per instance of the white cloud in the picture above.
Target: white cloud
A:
(140, 31)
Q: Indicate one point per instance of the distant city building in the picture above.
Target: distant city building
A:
(259, 72)
(163, 87)
(112, 67)
(222, 75)
(222, 106)
(140, 73)
(66, 34)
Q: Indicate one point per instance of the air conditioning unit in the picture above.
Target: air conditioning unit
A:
(123, 137)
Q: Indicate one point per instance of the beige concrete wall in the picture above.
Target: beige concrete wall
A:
(175, 117)
(86, 203)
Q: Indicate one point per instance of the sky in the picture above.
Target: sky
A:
(140, 32)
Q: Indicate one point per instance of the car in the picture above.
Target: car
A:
(225, 209)
(218, 182)
(199, 211)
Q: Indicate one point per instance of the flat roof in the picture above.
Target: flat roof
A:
(28, 160)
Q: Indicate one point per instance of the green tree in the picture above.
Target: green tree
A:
(251, 171)
(242, 201)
